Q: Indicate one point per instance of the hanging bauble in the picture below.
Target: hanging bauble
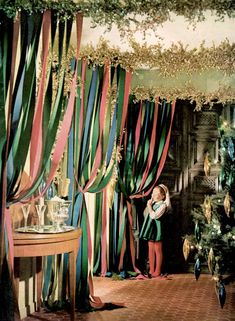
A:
(211, 261)
(197, 269)
(207, 209)
(227, 204)
(221, 293)
(231, 148)
(197, 231)
(186, 248)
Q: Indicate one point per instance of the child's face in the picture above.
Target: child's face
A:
(157, 195)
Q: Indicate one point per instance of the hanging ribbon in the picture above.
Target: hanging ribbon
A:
(3, 209)
(129, 185)
(104, 236)
(138, 128)
(132, 241)
(8, 226)
(163, 157)
(152, 143)
(98, 156)
(36, 137)
(65, 127)
(5, 221)
(125, 103)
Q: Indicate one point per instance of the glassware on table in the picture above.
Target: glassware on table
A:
(40, 212)
(25, 209)
(63, 214)
(58, 213)
(53, 208)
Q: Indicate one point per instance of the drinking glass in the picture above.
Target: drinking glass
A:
(25, 209)
(40, 211)
(53, 209)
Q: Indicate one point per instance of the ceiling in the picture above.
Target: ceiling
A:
(209, 31)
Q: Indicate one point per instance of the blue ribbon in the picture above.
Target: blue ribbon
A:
(90, 108)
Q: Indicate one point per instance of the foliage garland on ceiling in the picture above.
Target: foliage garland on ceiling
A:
(224, 95)
(143, 13)
(171, 63)
(168, 62)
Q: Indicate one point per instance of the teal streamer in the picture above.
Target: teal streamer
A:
(77, 209)
(90, 108)
(47, 276)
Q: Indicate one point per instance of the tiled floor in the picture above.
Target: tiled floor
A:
(180, 298)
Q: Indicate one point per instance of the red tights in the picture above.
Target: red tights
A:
(155, 257)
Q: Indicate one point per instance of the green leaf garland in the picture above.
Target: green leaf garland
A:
(124, 13)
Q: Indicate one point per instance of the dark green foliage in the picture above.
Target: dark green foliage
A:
(215, 240)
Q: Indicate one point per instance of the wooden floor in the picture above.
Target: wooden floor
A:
(178, 298)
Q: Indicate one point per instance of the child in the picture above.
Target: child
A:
(152, 231)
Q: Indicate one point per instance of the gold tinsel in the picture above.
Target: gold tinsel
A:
(227, 204)
(222, 95)
(207, 208)
(167, 61)
(170, 63)
(112, 182)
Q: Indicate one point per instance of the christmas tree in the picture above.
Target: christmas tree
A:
(213, 240)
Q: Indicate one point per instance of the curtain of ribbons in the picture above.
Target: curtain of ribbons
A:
(144, 144)
(116, 148)
(134, 149)
(36, 105)
(101, 101)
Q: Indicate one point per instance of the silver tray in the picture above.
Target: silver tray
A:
(45, 229)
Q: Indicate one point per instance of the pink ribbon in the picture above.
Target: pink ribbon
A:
(36, 136)
(104, 238)
(81, 118)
